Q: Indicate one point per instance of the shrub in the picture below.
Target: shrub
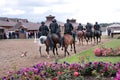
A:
(97, 52)
(117, 77)
(106, 52)
(65, 71)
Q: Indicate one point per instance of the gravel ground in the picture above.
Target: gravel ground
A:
(11, 50)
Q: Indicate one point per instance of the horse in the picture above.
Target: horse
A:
(55, 42)
(41, 42)
(66, 41)
(88, 36)
(97, 36)
(45, 40)
(80, 36)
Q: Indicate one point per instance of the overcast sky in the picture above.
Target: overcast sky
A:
(82, 10)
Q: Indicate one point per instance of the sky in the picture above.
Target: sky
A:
(102, 11)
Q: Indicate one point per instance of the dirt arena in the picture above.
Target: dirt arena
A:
(11, 50)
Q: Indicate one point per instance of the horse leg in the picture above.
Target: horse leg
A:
(47, 50)
(65, 52)
(97, 39)
(79, 40)
(100, 38)
(40, 50)
(86, 40)
(94, 39)
(82, 40)
(74, 48)
(91, 39)
(71, 48)
(54, 51)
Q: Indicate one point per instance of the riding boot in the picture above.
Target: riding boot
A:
(60, 41)
(73, 36)
(58, 34)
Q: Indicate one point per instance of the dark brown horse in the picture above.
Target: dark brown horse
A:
(97, 36)
(80, 36)
(55, 40)
(68, 40)
(45, 40)
(88, 36)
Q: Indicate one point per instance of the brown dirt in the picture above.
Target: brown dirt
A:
(11, 50)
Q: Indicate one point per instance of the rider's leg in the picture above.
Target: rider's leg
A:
(73, 34)
(50, 41)
(60, 40)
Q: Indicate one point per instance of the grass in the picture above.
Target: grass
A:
(88, 56)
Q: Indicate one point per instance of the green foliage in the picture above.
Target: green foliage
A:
(90, 56)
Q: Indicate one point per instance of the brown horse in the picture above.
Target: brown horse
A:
(68, 40)
(80, 36)
(55, 40)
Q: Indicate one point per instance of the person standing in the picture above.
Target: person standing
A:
(109, 31)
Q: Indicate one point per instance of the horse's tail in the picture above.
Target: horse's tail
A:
(62, 41)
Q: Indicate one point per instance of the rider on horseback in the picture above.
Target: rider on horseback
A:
(80, 27)
(97, 28)
(88, 27)
(68, 28)
(43, 29)
(54, 29)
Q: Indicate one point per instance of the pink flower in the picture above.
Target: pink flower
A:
(76, 74)
(54, 78)
(35, 70)
(97, 52)
(117, 75)
(59, 73)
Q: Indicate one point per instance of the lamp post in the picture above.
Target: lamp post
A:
(35, 40)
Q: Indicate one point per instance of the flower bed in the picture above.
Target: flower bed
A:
(66, 71)
(106, 51)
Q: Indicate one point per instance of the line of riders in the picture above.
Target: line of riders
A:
(54, 28)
